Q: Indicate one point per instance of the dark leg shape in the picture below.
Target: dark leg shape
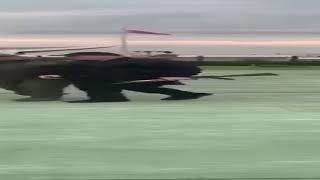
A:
(173, 94)
(98, 92)
(40, 90)
(106, 96)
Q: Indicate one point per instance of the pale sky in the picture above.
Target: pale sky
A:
(205, 26)
(177, 16)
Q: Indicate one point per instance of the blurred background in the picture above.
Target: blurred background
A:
(198, 27)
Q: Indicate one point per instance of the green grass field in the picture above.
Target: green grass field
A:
(254, 127)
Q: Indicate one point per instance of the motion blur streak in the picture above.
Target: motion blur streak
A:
(94, 40)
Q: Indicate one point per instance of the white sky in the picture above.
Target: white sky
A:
(177, 16)
(199, 26)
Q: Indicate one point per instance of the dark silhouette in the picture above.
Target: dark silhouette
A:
(102, 75)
